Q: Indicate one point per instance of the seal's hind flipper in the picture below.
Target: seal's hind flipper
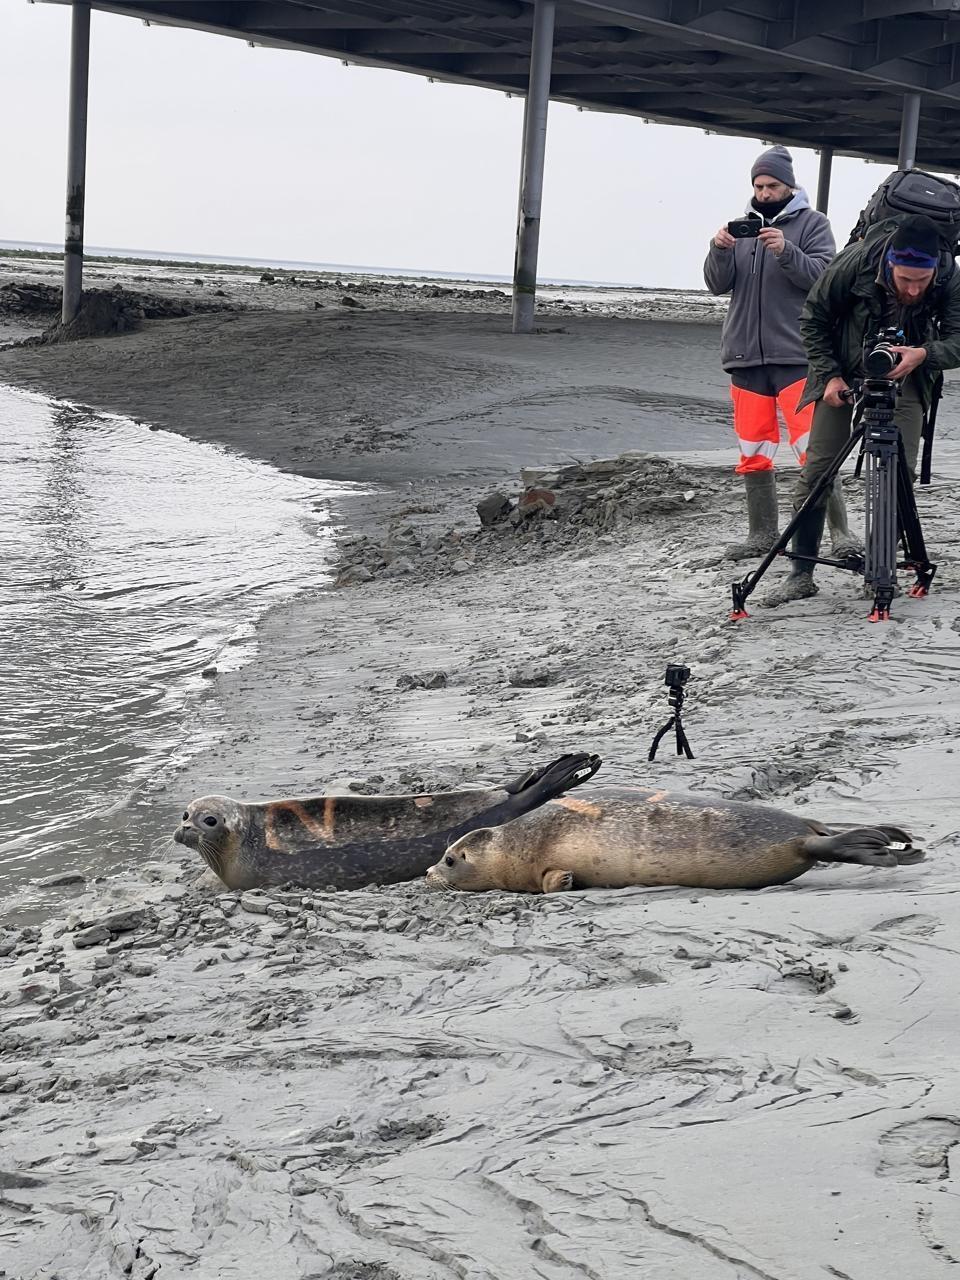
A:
(901, 846)
(909, 856)
(897, 835)
(869, 846)
(553, 779)
(530, 791)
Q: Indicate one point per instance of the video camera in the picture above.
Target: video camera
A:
(879, 358)
(876, 390)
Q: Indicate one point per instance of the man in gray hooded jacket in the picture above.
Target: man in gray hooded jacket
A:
(768, 277)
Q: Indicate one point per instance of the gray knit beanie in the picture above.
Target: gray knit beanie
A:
(775, 163)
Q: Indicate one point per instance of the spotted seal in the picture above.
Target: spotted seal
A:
(617, 836)
(348, 841)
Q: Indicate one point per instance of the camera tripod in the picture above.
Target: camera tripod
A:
(892, 521)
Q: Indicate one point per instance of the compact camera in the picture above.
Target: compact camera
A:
(745, 228)
(677, 676)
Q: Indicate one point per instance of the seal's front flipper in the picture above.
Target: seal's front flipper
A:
(556, 881)
(869, 846)
(553, 779)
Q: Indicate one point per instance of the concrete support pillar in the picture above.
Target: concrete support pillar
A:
(823, 180)
(531, 173)
(76, 159)
(909, 128)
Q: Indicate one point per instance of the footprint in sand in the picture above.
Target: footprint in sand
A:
(917, 1151)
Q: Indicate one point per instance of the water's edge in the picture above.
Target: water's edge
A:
(137, 565)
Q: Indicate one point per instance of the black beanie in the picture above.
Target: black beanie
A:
(917, 233)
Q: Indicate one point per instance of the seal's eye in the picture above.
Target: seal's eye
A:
(449, 861)
(209, 821)
(186, 815)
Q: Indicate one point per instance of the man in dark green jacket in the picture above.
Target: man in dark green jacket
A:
(901, 280)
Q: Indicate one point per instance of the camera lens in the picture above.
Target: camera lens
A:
(880, 360)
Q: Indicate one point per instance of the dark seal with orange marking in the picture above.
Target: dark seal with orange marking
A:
(612, 837)
(348, 841)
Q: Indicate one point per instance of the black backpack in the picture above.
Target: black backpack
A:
(905, 192)
(911, 191)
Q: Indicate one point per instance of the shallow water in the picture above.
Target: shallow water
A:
(131, 561)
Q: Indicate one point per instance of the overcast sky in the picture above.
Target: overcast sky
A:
(199, 144)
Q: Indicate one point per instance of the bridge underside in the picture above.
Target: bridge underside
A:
(817, 73)
(879, 79)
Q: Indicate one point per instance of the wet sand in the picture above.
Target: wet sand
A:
(395, 394)
(399, 1084)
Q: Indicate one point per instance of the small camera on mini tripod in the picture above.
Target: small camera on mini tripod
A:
(675, 678)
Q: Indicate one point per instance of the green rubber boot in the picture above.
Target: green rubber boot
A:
(843, 542)
(762, 517)
(799, 583)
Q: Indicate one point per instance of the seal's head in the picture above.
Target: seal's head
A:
(214, 826)
(466, 864)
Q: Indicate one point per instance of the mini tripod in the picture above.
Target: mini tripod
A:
(892, 520)
(675, 679)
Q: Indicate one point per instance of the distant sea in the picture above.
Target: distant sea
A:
(346, 268)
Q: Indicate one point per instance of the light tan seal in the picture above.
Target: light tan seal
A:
(348, 841)
(614, 837)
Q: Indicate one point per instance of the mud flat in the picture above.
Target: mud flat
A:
(398, 1083)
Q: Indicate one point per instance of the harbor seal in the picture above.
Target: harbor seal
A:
(349, 841)
(618, 836)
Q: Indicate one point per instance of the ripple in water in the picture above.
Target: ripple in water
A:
(130, 560)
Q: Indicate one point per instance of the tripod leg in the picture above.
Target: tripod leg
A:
(911, 531)
(683, 746)
(883, 445)
(659, 736)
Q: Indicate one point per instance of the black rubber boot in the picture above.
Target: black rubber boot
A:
(806, 542)
(762, 517)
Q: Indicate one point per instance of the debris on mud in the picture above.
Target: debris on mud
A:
(102, 311)
(558, 507)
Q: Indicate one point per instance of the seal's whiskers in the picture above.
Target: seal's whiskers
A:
(211, 855)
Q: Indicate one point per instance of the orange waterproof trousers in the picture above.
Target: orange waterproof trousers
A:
(757, 395)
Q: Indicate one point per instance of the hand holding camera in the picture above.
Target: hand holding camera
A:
(771, 238)
(910, 358)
